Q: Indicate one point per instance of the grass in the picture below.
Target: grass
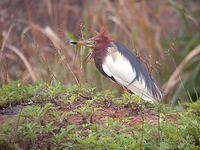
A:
(77, 118)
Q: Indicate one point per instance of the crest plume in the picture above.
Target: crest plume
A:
(94, 31)
(102, 34)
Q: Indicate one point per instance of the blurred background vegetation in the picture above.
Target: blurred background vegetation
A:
(35, 35)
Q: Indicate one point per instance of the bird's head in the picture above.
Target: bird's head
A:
(97, 42)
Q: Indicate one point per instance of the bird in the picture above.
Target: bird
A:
(117, 62)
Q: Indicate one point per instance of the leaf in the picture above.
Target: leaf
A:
(72, 98)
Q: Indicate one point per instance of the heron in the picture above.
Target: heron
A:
(120, 65)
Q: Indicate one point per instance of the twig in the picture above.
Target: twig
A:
(71, 72)
(87, 59)
(145, 61)
(5, 39)
(177, 127)
(180, 106)
(62, 56)
(180, 80)
(23, 58)
(49, 69)
(9, 107)
(81, 71)
(142, 129)
(193, 53)
(159, 122)
(196, 93)
(17, 125)
(5, 74)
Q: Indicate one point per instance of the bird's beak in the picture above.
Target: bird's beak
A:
(84, 43)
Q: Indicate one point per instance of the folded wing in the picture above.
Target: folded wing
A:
(126, 73)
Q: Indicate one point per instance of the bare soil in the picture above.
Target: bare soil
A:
(148, 114)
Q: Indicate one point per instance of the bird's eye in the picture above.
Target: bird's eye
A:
(94, 42)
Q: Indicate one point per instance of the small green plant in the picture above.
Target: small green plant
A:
(14, 93)
(37, 113)
(105, 97)
(193, 109)
(86, 111)
(57, 91)
(61, 117)
(77, 93)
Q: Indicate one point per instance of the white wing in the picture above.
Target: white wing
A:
(124, 74)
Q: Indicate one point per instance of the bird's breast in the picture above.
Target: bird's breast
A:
(119, 67)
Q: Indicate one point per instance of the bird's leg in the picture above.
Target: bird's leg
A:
(126, 90)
